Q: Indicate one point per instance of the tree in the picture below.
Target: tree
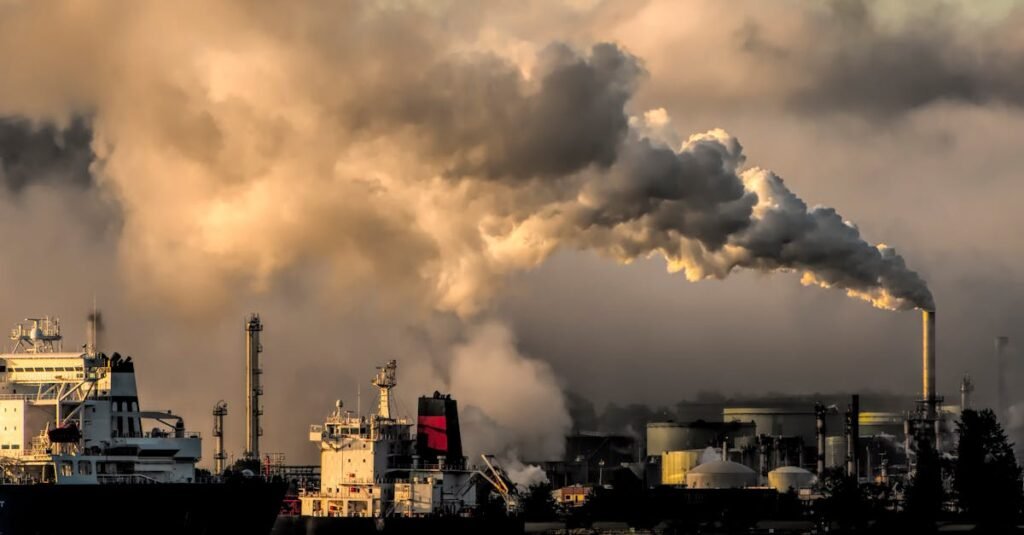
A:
(986, 477)
(539, 504)
(844, 503)
(925, 494)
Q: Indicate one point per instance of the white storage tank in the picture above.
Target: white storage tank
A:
(790, 477)
(721, 475)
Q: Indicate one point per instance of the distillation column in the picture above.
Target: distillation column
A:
(220, 410)
(253, 390)
(931, 401)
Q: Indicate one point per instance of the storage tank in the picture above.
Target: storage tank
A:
(777, 421)
(679, 436)
(721, 475)
(881, 423)
(676, 464)
(790, 477)
(835, 452)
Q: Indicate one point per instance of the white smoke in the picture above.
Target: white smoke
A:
(395, 152)
(242, 142)
(523, 475)
(708, 455)
(510, 404)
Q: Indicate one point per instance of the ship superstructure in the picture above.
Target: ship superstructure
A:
(75, 417)
(376, 466)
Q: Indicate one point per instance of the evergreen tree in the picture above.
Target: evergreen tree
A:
(539, 504)
(925, 493)
(986, 477)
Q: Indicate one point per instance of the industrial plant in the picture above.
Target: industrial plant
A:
(737, 466)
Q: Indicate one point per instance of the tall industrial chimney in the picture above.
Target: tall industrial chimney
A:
(852, 436)
(928, 363)
(1002, 403)
(819, 421)
(966, 387)
(253, 390)
(220, 410)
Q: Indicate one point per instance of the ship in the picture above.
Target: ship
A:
(78, 454)
(380, 475)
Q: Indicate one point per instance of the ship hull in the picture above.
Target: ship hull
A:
(448, 525)
(244, 507)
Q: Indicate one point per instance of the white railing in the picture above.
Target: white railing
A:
(125, 479)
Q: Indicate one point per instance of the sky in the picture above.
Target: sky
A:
(635, 201)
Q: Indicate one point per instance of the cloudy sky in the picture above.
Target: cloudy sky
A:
(632, 200)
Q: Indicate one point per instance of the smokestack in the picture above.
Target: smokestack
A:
(220, 410)
(928, 362)
(1002, 342)
(852, 436)
(966, 387)
(819, 413)
(253, 390)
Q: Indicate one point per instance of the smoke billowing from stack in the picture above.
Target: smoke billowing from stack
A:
(388, 147)
(468, 166)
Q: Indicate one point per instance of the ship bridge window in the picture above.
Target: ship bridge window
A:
(85, 468)
(65, 469)
(49, 369)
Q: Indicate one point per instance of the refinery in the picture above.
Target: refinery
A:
(737, 468)
(653, 267)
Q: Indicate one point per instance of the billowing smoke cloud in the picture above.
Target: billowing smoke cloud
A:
(391, 147)
(511, 405)
(31, 153)
(405, 162)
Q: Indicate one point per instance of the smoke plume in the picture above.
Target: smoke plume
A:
(510, 404)
(239, 150)
(396, 149)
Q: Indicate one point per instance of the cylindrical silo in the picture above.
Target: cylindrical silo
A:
(835, 452)
(678, 436)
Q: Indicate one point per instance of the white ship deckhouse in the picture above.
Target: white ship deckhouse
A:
(75, 417)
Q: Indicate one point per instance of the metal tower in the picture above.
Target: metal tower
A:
(385, 381)
(966, 388)
(253, 390)
(220, 410)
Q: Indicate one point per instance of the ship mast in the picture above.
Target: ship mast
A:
(385, 381)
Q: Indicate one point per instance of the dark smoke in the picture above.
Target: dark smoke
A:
(43, 153)
(861, 64)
